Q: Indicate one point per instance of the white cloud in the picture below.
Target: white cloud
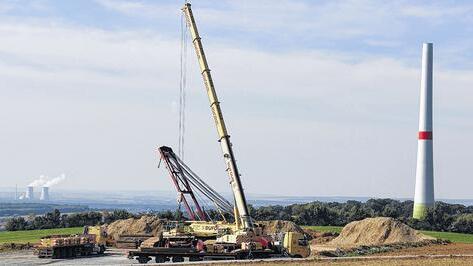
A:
(436, 10)
(95, 103)
(136, 8)
(4, 7)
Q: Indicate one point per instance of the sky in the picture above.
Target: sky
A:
(320, 98)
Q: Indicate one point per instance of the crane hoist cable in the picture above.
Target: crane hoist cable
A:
(193, 190)
(182, 86)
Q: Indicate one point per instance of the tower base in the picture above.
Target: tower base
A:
(420, 210)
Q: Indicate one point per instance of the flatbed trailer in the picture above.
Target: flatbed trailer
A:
(69, 251)
(163, 254)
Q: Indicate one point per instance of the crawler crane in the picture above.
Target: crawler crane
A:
(244, 240)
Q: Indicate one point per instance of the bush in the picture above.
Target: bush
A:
(443, 217)
(463, 224)
(15, 224)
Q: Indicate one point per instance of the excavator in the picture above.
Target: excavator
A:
(202, 239)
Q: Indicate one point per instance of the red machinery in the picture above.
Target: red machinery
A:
(184, 179)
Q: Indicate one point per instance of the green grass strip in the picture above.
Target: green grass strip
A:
(33, 236)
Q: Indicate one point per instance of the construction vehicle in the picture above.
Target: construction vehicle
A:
(91, 242)
(242, 240)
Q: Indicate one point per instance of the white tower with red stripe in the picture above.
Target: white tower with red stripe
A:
(424, 193)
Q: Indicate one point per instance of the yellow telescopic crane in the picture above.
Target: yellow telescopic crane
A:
(224, 138)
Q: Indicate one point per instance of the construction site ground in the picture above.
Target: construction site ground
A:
(451, 254)
(375, 233)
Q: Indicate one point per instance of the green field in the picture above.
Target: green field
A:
(33, 236)
(454, 237)
(328, 228)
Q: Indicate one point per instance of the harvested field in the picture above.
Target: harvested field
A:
(448, 249)
(360, 262)
(377, 231)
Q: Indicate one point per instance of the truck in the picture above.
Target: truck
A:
(90, 242)
(293, 245)
(208, 240)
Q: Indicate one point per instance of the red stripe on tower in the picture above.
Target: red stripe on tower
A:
(425, 134)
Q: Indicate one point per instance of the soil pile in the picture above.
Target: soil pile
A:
(147, 224)
(378, 231)
(317, 237)
(279, 226)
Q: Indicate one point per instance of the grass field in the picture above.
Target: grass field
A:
(33, 236)
(454, 237)
(328, 228)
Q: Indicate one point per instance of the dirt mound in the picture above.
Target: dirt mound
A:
(279, 226)
(145, 225)
(317, 237)
(378, 231)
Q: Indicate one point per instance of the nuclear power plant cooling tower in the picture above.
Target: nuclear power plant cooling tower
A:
(44, 193)
(29, 193)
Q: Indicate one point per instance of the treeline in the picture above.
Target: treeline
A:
(27, 208)
(443, 217)
(55, 219)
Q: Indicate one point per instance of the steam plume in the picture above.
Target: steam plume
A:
(38, 182)
(54, 181)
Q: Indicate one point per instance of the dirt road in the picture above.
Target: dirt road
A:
(414, 256)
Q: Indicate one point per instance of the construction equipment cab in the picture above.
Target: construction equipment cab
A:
(100, 236)
(296, 245)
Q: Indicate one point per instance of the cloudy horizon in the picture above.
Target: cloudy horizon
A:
(320, 98)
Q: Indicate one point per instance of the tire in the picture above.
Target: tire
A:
(69, 251)
(101, 249)
(60, 253)
(160, 259)
(177, 259)
(56, 253)
(195, 258)
(143, 260)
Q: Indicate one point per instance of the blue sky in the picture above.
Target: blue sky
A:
(324, 93)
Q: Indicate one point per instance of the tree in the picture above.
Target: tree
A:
(16, 224)
(463, 224)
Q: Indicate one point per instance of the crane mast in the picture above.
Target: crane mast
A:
(224, 137)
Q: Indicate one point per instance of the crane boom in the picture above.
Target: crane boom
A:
(224, 137)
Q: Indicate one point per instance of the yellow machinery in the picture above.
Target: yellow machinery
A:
(100, 233)
(199, 229)
(244, 239)
(248, 233)
(224, 137)
(296, 245)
